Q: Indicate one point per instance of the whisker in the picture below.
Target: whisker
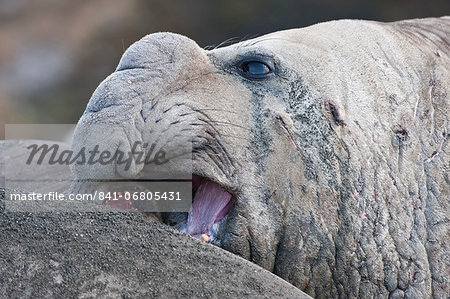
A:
(265, 39)
(222, 123)
(228, 41)
(202, 156)
(225, 154)
(223, 158)
(215, 109)
(248, 39)
(177, 122)
(169, 140)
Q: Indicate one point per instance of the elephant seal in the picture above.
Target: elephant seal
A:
(329, 141)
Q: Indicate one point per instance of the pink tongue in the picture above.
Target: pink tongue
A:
(211, 204)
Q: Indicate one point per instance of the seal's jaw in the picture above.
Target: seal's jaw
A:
(208, 215)
(210, 205)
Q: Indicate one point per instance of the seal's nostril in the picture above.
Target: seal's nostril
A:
(333, 110)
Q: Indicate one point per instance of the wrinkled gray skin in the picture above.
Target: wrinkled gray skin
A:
(338, 160)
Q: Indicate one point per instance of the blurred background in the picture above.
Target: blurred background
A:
(53, 53)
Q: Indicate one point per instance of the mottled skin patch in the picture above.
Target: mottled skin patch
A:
(338, 160)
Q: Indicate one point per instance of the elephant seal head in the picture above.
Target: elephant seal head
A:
(322, 149)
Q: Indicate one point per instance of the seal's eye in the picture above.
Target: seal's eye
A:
(254, 69)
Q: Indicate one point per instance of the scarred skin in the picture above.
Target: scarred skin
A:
(337, 160)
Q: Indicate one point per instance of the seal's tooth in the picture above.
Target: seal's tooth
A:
(205, 238)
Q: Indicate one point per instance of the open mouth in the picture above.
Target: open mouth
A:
(210, 207)
(207, 217)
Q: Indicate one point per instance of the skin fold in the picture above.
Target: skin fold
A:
(337, 160)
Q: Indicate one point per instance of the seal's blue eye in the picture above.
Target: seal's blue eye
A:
(255, 69)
